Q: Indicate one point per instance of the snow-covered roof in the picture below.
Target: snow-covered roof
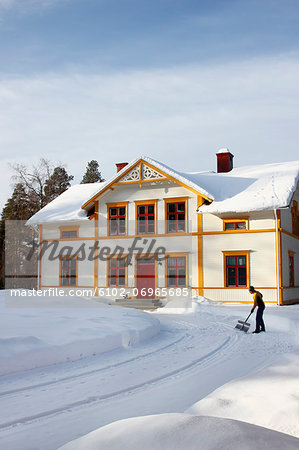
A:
(183, 177)
(243, 189)
(251, 188)
(66, 207)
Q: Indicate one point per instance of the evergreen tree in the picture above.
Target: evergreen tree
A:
(92, 174)
(16, 211)
(58, 182)
(2, 254)
(19, 206)
(34, 189)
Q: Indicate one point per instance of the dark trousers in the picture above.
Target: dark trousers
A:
(260, 326)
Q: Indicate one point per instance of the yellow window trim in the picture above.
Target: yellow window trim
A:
(145, 203)
(168, 200)
(176, 255)
(238, 220)
(61, 258)
(236, 253)
(69, 228)
(109, 257)
(117, 205)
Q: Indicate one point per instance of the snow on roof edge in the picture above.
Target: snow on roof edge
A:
(66, 207)
(180, 176)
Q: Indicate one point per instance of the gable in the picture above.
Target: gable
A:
(141, 173)
(146, 170)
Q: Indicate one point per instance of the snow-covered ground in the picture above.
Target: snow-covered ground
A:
(165, 380)
(182, 431)
(39, 331)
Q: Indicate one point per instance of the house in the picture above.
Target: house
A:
(155, 232)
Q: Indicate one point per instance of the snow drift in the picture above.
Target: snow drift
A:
(182, 432)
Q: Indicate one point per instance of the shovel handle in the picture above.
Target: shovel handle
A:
(248, 317)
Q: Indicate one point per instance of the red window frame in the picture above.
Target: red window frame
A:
(176, 268)
(233, 271)
(295, 218)
(118, 266)
(291, 270)
(235, 225)
(118, 219)
(69, 234)
(146, 220)
(176, 213)
(68, 271)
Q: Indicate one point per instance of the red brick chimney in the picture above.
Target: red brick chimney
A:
(120, 166)
(224, 160)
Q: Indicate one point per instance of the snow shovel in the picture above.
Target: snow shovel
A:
(244, 326)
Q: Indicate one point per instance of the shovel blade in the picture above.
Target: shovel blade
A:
(244, 326)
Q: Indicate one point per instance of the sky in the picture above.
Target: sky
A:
(175, 80)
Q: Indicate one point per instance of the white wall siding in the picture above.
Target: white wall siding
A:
(131, 193)
(238, 295)
(52, 230)
(289, 243)
(50, 267)
(261, 259)
(261, 220)
(286, 215)
(211, 222)
(291, 294)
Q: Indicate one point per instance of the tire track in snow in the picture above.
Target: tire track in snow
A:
(214, 355)
(94, 371)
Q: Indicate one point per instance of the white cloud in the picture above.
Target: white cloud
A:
(179, 115)
(28, 5)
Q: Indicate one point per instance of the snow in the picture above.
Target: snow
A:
(243, 189)
(251, 188)
(39, 331)
(66, 207)
(180, 176)
(182, 431)
(87, 375)
(269, 398)
(223, 150)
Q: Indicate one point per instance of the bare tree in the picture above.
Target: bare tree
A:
(34, 180)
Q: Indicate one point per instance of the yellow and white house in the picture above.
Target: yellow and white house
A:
(155, 232)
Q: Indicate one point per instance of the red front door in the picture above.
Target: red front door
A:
(146, 278)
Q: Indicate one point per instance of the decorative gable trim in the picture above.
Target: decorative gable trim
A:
(141, 173)
(131, 177)
(148, 173)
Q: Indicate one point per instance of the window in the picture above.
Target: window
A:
(68, 232)
(295, 218)
(176, 214)
(236, 269)
(68, 271)
(291, 270)
(117, 272)
(145, 215)
(176, 271)
(117, 215)
(233, 224)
